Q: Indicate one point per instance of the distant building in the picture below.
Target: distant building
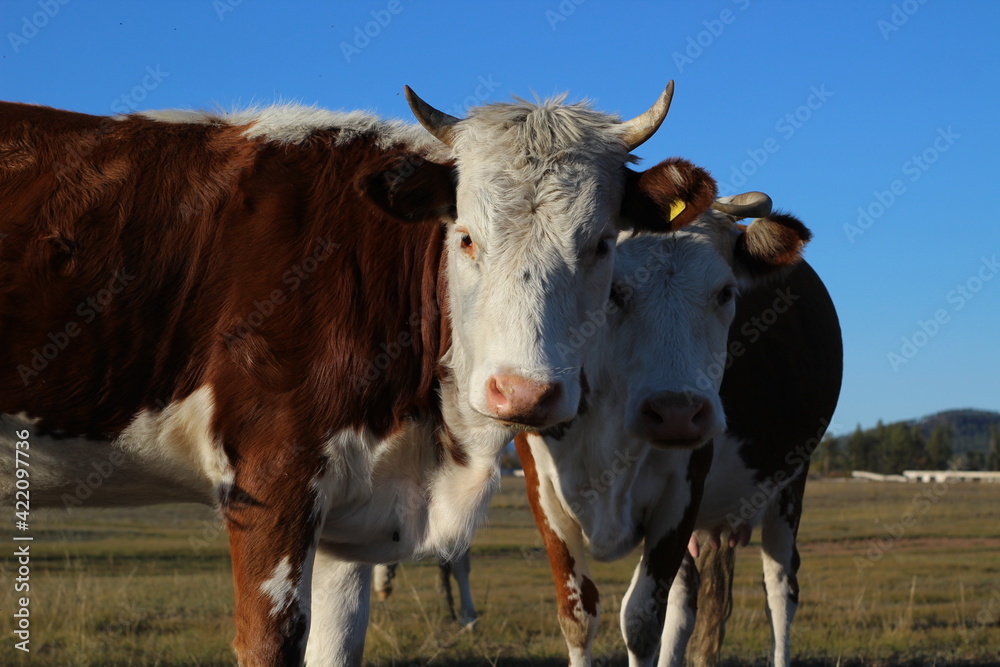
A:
(930, 476)
(951, 475)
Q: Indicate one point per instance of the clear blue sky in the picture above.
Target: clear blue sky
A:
(887, 81)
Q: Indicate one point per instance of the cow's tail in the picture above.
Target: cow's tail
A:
(715, 603)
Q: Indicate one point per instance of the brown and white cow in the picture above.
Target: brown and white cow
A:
(339, 629)
(229, 309)
(633, 467)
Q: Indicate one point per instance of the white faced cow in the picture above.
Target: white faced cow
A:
(785, 364)
(233, 310)
(632, 467)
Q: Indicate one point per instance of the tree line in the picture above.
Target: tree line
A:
(893, 448)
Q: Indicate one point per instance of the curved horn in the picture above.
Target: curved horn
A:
(438, 123)
(746, 205)
(642, 127)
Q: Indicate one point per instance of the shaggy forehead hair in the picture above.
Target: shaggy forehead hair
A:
(549, 131)
(540, 160)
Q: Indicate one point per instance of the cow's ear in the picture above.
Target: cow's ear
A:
(666, 197)
(768, 245)
(412, 189)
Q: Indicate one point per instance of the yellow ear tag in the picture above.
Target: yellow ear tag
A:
(677, 207)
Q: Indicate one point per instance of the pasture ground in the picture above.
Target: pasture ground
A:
(892, 574)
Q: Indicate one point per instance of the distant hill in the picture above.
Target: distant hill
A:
(896, 446)
(970, 428)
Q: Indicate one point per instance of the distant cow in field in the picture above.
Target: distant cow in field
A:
(635, 468)
(326, 324)
(459, 567)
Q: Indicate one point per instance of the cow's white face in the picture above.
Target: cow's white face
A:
(541, 193)
(673, 301)
(530, 259)
(676, 296)
(530, 253)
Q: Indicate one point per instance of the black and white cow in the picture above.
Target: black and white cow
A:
(707, 453)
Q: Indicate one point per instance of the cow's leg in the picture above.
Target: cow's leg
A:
(577, 598)
(274, 510)
(444, 583)
(383, 576)
(340, 606)
(668, 532)
(682, 607)
(781, 564)
(461, 567)
(644, 606)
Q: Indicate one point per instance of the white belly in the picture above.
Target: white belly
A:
(733, 496)
(392, 499)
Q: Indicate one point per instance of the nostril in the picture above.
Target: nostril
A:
(651, 415)
(702, 416)
(550, 394)
(497, 392)
(674, 419)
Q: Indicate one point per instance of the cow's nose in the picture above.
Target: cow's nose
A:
(517, 399)
(674, 419)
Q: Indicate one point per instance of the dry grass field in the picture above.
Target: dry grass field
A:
(892, 574)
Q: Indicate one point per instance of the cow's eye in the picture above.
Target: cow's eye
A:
(603, 248)
(620, 293)
(465, 241)
(725, 295)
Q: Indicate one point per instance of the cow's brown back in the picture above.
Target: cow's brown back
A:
(142, 259)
